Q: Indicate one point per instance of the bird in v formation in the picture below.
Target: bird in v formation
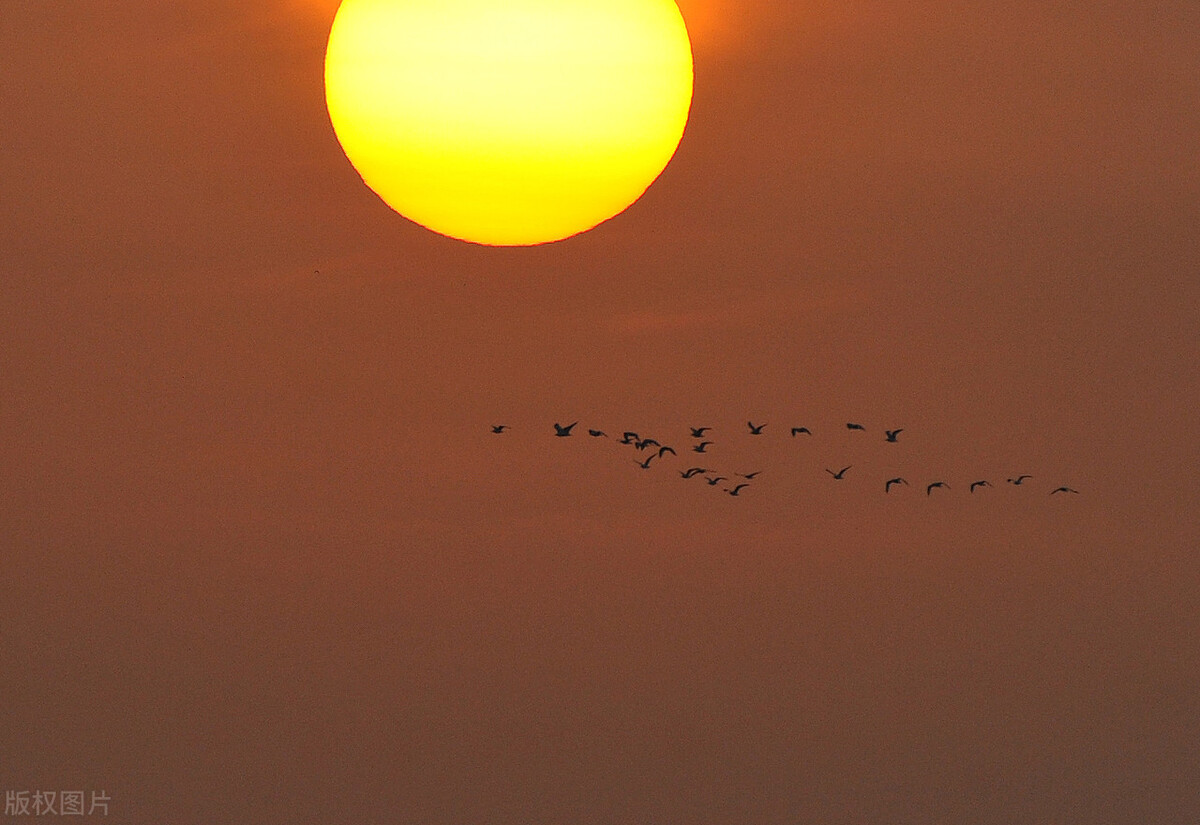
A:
(630, 437)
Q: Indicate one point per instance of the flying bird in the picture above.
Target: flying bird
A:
(840, 474)
(499, 428)
(855, 427)
(755, 430)
(1063, 490)
(664, 450)
(597, 434)
(692, 471)
(797, 430)
(893, 434)
(980, 484)
(561, 431)
(1019, 480)
(646, 442)
(701, 447)
(750, 475)
(645, 465)
(713, 482)
(929, 489)
(887, 487)
(629, 438)
(698, 432)
(736, 489)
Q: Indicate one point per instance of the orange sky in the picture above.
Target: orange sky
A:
(265, 563)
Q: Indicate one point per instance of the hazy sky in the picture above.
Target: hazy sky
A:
(264, 561)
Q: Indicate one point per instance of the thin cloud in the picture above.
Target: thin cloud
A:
(748, 313)
(714, 26)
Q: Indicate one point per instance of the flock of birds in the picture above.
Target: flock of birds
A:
(654, 450)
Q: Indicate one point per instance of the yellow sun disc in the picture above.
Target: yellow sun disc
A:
(508, 122)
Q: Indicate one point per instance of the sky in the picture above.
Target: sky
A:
(265, 562)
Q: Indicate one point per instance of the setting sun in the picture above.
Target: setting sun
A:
(509, 122)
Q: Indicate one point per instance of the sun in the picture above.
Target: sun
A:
(509, 122)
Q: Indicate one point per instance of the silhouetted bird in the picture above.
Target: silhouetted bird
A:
(736, 489)
(892, 434)
(597, 434)
(797, 430)
(698, 432)
(701, 447)
(750, 475)
(1019, 480)
(1063, 490)
(755, 430)
(887, 487)
(561, 431)
(929, 489)
(840, 474)
(855, 427)
(693, 471)
(980, 484)
(645, 465)
(646, 442)
(714, 481)
(629, 438)
(664, 450)
(499, 428)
